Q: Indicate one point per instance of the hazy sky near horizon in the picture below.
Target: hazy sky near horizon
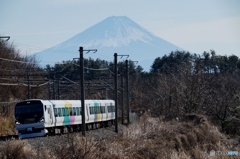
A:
(194, 25)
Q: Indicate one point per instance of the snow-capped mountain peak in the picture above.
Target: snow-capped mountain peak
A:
(114, 34)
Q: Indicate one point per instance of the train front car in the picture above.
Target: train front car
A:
(29, 119)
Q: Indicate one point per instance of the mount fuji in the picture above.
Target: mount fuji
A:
(116, 34)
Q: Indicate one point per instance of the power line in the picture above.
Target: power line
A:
(22, 84)
(53, 50)
(9, 102)
(17, 61)
(70, 80)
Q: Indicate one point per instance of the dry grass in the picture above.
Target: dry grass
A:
(6, 126)
(17, 149)
(79, 147)
(193, 137)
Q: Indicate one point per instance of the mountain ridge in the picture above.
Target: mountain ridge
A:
(115, 34)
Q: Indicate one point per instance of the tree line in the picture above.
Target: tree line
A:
(177, 83)
(182, 82)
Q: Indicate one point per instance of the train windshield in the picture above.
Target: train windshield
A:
(29, 112)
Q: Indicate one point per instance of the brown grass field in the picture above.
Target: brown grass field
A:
(149, 138)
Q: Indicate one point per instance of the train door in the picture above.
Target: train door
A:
(87, 112)
(48, 115)
(106, 111)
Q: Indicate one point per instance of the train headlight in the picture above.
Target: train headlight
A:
(42, 120)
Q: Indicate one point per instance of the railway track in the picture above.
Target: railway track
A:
(8, 137)
(4, 135)
(51, 143)
(95, 133)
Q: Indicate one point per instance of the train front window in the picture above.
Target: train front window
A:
(28, 113)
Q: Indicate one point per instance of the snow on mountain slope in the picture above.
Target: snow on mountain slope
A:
(116, 34)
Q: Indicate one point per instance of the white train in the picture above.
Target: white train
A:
(37, 117)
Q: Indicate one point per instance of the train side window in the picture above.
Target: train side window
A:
(74, 111)
(103, 109)
(99, 110)
(78, 112)
(64, 112)
(55, 112)
(95, 110)
(91, 110)
(67, 111)
(59, 112)
(70, 111)
(111, 109)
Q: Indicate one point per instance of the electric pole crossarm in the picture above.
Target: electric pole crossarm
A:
(5, 37)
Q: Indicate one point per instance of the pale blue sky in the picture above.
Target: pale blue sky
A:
(194, 25)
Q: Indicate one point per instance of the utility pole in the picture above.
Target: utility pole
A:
(82, 90)
(116, 92)
(28, 79)
(54, 87)
(116, 89)
(127, 90)
(82, 87)
(58, 89)
(49, 89)
(122, 98)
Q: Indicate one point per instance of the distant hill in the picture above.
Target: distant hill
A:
(116, 34)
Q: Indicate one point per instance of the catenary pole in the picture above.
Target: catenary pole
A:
(122, 98)
(116, 92)
(82, 90)
(116, 89)
(28, 80)
(82, 86)
(127, 90)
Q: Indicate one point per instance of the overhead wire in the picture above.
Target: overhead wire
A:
(61, 51)
(22, 84)
(9, 102)
(17, 61)
(100, 69)
(70, 80)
